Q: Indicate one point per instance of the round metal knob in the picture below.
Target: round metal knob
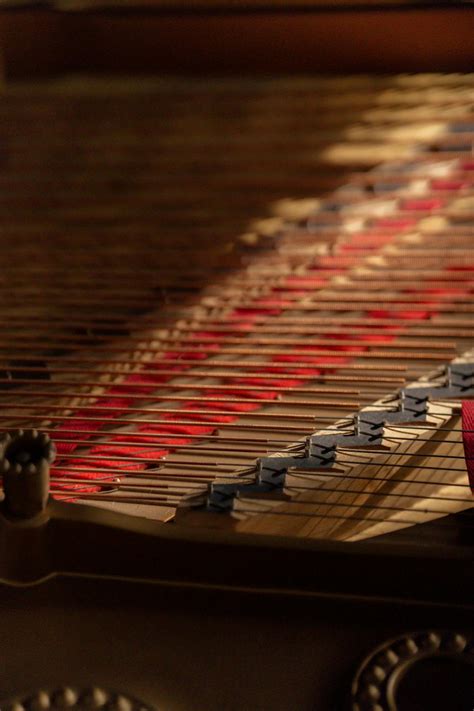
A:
(422, 670)
(25, 458)
(71, 698)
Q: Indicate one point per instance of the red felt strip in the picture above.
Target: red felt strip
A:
(423, 204)
(468, 438)
(447, 184)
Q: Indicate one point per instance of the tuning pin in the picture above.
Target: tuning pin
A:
(25, 458)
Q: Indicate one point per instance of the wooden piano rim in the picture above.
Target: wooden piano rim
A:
(363, 39)
(151, 7)
(84, 541)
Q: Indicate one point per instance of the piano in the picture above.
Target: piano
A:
(237, 356)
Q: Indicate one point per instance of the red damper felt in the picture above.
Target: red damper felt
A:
(468, 438)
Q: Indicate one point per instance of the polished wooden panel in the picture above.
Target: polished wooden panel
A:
(438, 39)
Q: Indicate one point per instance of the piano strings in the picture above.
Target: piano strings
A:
(137, 345)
